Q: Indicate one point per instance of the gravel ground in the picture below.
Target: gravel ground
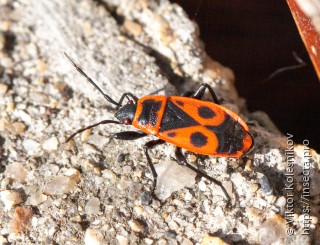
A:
(93, 190)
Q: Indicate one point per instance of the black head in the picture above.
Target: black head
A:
(126, 113)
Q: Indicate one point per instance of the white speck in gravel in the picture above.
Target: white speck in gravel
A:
(3, 240)
(122, 240)
(31, 146)
(92, 206)
(272, 230)
(24, 116)
(123, 183)
(50, 144)
(172, 177)
(37, 198)
(10, 198)
(202, 186)
(16, 171)
(89, 149)
(148, 241)
(59, 185)
(281, 202)
(136, 226)
(187, 196)
(3, 88)
(93, 237)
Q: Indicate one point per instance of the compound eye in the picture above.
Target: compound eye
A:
(126, 121)
(130, 102)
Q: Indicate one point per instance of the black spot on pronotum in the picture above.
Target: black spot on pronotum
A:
(180, 103)
(172, 134)
(149, 112)
(206, 112)
(198, 139)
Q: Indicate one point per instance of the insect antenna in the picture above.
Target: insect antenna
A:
(91, 126)
(107, 97)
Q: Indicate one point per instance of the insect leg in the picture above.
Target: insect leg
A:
(149, 145)
(183, 161)
(129, 135)
(200, 92)
(127, 95)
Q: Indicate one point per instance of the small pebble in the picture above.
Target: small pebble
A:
(42, 66)
(93, 237)
(266, 187)
(59, 185)
(148, 241)
(186, 241)
(89, 149)
(133, 27)
(74, 174)
(146, 198)
(121, 157)
(3, 88)
(162, 242)
(10, 198)
(192, 158)
(138, 210)
(17, 172)
(281, 202)
(111, 176)
(170, 234)
(37, 198)
(272, 230)
(93, 206)
(16, 128)
(122, 240)
(173, 225)
(172, 177)
(202, 186)
(85, 134)
(50, 144)
(21, 220)
(31, 146)
(123, 184)
(188, 196)
(212, 240)
(135, 226)
(3, 240)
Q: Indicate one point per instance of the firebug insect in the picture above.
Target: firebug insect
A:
(185, 121)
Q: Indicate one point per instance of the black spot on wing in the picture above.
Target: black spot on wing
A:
(171, 135)
(174, 118)
(205, 112)
(149, 112)
(198, 139)
(179, 102)
(230, 136)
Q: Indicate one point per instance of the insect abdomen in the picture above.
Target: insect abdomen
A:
(204, 127)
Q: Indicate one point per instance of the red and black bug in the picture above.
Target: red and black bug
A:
(185, 121)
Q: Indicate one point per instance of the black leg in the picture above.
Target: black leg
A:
(129, 135)
(149, 145)
(200, 92)
(91, 126)
(183, 161)
(127, 95)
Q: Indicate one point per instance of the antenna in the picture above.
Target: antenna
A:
(107, 97)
